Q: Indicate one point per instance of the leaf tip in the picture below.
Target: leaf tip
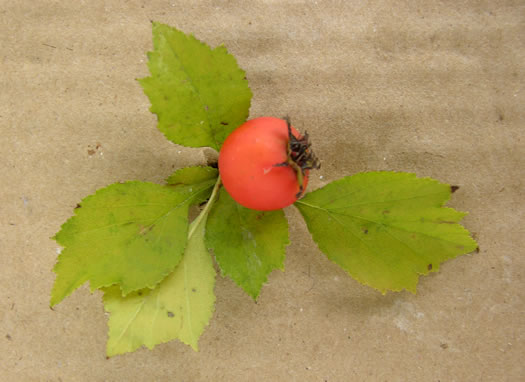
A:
(255, 295)
(110, 352)
(56, 298)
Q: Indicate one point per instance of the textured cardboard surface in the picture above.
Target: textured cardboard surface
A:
(435, 88)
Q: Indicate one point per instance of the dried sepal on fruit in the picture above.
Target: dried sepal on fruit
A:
(300, 156)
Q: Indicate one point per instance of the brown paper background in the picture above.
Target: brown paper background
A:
(435, 88)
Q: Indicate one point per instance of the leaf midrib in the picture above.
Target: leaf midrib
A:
(377, 223)
(197, 91)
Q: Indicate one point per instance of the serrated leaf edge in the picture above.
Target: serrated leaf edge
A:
(213, 133)
(442, 205)
(91, 288)
(224, 273)
(191, 230)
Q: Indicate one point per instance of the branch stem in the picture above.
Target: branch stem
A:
(206, 210)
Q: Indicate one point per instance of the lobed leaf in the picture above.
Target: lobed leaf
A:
(132, 234)
(386, 228)
(199, 94)
(179, 307)
(248, 244)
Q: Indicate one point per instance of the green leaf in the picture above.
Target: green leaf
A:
(179, 307)
(385, 228)
(199, 94)
(192, 175)
(194, 178)
(132, 234)
(248, 244)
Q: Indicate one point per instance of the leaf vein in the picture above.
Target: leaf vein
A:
(380, 201)
(130, 321)
(197, 92)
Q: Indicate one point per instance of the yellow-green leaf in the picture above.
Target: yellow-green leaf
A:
(178, 308)
(132, 234)
(386, 228)
(199, 94)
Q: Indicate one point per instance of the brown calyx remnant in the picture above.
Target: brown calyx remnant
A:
(300, 156)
